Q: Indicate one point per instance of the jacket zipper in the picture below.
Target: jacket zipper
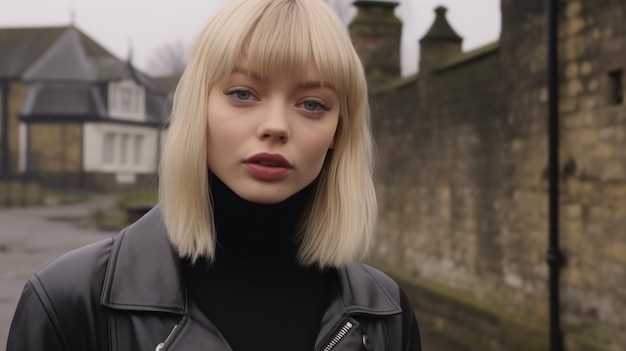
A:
(161, 346)
(340, 335)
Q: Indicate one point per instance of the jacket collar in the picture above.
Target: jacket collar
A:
(144, 274)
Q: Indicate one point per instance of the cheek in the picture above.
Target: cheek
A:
(317, 147)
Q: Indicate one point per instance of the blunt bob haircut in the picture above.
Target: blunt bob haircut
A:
(274, 37)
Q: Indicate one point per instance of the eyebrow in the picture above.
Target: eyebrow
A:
(303, 86)
(249, 73)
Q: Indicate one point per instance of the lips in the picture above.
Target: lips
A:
(268, 167)
(269, 160)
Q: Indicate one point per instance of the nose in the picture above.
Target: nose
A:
(274, 126)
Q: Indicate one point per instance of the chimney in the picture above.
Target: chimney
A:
(376, 33)
(439, 43)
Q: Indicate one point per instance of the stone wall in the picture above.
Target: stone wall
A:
(462, 182)
(593, 152)
(17, 96)
(55, 147)
(19, 192)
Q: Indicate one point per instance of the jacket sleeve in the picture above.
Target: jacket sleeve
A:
(33, 327)
(411, 340)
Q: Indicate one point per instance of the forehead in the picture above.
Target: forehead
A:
(308, 76)
(286, 39)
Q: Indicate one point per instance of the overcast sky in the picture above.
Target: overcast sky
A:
(148, 24)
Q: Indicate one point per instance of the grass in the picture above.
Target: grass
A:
(139, 198)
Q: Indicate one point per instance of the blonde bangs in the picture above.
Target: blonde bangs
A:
(284, 38)
(274, 38)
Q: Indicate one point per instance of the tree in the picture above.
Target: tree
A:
(169, 60)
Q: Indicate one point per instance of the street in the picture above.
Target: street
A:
(32, 237)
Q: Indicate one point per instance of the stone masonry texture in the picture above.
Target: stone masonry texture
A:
(462, 177)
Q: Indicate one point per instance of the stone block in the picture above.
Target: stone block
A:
(572, 70)
(588, 137)
(574, 87)
(613, 170)
(588, 103)
(593, 85)
(575, 25)
(585, 68)
(572, 9)
(573, 211)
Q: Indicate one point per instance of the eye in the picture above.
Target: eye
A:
(314, 106)
(240, 94)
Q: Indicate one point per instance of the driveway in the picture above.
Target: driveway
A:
(32, 237)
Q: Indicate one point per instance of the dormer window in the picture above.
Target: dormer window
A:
(126, 100)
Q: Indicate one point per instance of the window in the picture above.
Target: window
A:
(126, 100)
(124, 148)
(137, 149)
(616, 87)
(108, 148)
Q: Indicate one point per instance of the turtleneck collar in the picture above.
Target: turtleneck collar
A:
(248, 231)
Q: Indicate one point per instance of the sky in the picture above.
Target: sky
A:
(147, 25)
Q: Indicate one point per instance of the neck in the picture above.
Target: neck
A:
(259, 232)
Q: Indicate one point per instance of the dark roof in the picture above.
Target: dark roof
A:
(20, 48)
(441, 29)
(65, 60)
(83, 99)
(68, 73)
(76, 99)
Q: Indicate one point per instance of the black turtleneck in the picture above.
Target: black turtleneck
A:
(255, 292)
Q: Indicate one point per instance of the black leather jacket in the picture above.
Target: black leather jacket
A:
(127, 293)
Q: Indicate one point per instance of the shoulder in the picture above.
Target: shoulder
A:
(381, 278)
(59, 303)
(362, 273)
(74, 278)
(405, 328)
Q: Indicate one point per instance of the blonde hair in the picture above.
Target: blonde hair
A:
(274, 37)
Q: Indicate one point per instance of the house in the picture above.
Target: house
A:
(73, 115)
(462, 175)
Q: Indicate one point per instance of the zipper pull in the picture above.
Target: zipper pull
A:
(340, 335)
(160, 346)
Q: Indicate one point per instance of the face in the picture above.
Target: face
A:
(267, 139)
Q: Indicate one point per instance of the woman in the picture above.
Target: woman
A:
(266, 205)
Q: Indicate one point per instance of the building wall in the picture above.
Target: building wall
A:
(124, 159)
(463, 190)
(594, 164)
(592, 44)
(55, 147)
(17, 96)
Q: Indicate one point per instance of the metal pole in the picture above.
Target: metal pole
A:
(553, 257)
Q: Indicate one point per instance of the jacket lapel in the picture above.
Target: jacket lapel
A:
(357, 292)
(144, 273)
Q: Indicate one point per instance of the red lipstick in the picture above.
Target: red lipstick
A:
(269, 167)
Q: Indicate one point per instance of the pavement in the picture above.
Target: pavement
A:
(32, 237)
